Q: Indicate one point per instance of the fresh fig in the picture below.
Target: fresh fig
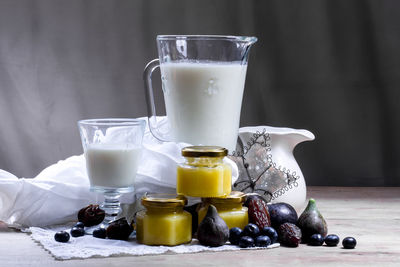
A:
(311, 222)
(212, 230)
(281, 213)
(193, 209)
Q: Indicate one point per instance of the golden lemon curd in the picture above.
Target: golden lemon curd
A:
(204, 173)
(230, 209)
(164, 222)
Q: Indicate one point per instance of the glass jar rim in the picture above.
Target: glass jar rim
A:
(159, 200)
(113, 121)
(204, 151)
(235, 197)
(244, 39)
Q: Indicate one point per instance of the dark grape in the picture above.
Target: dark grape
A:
(77, 231)
(332, 240)
(246, 242)
(251, 230)
(315, 240)
(100, 233)
(349, 242)
(79, 225)
(234, 235)
(271, 233)
(262, 241)
(61, 236)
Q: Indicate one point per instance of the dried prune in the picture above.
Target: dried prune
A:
(119, 229)
(258, 213)
(91, 215)
(289, 234)
(251, 196)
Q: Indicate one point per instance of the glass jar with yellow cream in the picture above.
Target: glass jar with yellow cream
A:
(164, 222)
(230, 209)
(204, 172)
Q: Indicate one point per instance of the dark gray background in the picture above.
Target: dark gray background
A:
(331, 67)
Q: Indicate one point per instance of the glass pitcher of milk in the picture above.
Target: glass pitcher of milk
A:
(203, 79)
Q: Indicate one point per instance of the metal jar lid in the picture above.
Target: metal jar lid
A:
(204, 151)
(234, 197)
(163, 200)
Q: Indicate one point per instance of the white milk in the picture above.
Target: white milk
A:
(112, 166)
(203, 101)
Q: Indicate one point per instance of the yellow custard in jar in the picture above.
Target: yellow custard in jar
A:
(164, 222)
(230, 209)
(204, 173)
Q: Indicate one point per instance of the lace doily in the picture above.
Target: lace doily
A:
(88, 246)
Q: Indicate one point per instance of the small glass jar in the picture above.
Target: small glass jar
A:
(164, 222)
(204, 172)
(230, 209)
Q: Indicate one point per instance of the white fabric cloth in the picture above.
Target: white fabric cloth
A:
(88, 246)
(56, 194)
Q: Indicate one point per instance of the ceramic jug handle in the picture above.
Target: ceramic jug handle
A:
(151, 108)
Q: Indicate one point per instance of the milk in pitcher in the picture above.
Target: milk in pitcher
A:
(203, 101)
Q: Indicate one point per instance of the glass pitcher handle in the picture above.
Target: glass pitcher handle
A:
(151, 108)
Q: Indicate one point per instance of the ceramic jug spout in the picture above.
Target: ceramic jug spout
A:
(298, 136)
(287, 138)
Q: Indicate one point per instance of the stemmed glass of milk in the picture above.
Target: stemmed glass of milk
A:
(112, 149)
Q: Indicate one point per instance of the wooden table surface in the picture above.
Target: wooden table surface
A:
(371, 215)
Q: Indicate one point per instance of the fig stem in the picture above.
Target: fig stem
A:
(311, 204)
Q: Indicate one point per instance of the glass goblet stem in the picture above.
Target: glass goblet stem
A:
(111, 207)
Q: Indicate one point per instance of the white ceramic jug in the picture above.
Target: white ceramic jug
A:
(267, 166)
